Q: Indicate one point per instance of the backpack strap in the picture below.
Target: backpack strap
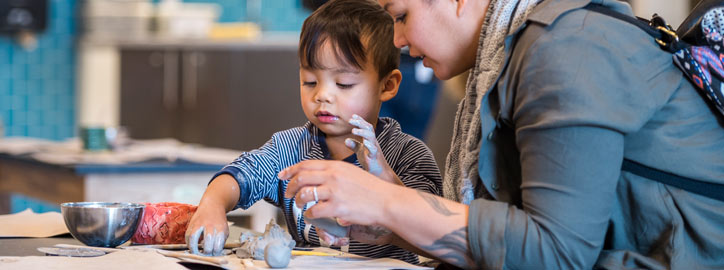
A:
(668, 40)
(711, 190)
(657, 28)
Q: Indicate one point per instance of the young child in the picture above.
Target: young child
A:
(348, 68)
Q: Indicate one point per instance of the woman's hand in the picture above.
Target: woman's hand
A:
(209, 221)
(369, 153)
(341, 189)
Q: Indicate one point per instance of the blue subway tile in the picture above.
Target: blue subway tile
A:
(32, 118)
(19, 117)
(17, 131)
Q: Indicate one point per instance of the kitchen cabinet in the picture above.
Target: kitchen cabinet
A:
(222, 97)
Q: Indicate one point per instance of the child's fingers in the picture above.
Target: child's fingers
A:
(192, 240)
(352, 144)
(367, 134)
(362, 123)
(371, 147)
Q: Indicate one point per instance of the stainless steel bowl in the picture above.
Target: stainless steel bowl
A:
(102, 224)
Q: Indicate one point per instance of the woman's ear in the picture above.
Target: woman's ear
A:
(390, 85)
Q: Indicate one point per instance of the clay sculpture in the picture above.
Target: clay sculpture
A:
(274, 246)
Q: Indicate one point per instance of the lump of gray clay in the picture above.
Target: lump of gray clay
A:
(274, 246)
(277, 255)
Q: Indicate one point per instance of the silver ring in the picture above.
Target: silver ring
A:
(316, 197)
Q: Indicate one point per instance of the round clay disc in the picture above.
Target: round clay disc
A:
(71, 252)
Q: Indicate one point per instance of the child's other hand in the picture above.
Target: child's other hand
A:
(208, 223)
(327, 239)
(369, 152)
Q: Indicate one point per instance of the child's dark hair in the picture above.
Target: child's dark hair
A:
(345, 23)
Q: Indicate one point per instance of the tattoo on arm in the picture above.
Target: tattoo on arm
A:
(375, 231)
(435, 203)
(452, 248)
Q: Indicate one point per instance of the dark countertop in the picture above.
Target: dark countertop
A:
(150, 166)
(20, 246)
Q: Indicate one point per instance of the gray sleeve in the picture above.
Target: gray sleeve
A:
(577, 97)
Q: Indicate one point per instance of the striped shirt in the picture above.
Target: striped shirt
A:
(256, 172)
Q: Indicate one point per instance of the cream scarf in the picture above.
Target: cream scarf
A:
(461, 167)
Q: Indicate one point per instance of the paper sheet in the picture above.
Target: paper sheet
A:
(123, 260)
(343, 261)
(30, 224)
(143, 258)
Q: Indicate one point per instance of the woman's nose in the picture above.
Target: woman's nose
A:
(399, 39)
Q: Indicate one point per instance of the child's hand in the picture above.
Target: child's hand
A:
(209, 223)
(369, 152)
(374, 235)
(327, 239)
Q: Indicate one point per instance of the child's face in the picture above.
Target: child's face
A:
(330, 96)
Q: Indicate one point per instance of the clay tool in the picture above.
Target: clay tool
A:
(313, 253)
(182, 255)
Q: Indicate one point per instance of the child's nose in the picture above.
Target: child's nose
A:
(323, 95)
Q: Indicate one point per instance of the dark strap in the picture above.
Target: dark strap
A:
(711, 190)
(672, 44)
(639, 22)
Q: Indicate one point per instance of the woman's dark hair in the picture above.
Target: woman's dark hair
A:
(346, 24)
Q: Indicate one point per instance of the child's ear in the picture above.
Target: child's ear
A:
(390, 85)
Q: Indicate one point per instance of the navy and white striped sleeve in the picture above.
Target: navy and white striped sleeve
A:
(417, 168)
(256, 173)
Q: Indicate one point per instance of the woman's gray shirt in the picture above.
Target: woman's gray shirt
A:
(581, 92)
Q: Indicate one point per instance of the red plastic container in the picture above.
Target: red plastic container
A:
(164, 223)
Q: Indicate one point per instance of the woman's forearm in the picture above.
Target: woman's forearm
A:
(432, 224)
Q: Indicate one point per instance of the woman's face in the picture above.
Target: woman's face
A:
(438, 32)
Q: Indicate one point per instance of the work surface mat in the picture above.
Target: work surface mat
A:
(149, 259)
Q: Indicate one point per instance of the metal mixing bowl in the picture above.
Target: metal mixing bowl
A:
(102, 224)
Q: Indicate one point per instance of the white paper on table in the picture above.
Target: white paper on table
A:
(30, 224)
(344, 261)
(122, 259)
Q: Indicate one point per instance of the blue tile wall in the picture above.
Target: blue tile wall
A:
(37, 87)
(19, 203)
(274, 15)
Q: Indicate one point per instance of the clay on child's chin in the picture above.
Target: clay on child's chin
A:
(274, 246)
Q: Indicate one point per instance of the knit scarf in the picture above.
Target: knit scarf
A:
(503, 17)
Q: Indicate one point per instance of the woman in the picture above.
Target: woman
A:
(557, 98)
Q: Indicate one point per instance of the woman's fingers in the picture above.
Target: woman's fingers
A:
(301, 177)
(307, 194)
(307, 165)
(325, 209)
